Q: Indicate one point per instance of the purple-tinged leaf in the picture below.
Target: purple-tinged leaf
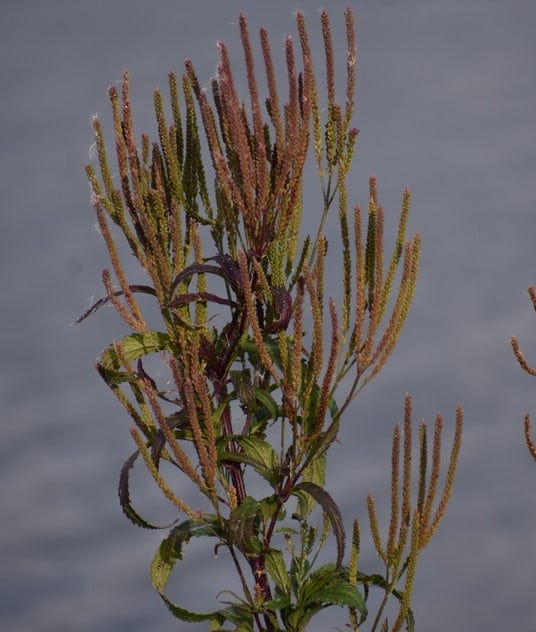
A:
(283, 309)
(124, 497)
(196, 268)
(144, 289)
(178, 420)
(330, 508)
(185, 299)
(231, 270)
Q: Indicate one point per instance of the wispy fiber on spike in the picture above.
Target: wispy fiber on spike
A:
(180, 455)
(135, 318)
(119, 307)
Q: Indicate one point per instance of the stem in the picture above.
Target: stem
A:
(388, 591)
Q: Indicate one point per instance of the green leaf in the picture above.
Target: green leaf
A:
(315, 473)
(381, 582)
(255, 452)
(170, 552)
(331, 509)
(134, 346)
(325, 587)
(244, 526)
(276, 567)
(268, 402)
(124, 497)
(320, 445)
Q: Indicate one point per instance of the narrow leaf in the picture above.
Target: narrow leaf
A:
(331, 509)
(276, 567)
(170, 552)
(124, 497)
(134, 346)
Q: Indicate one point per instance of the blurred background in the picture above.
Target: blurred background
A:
(446, 104)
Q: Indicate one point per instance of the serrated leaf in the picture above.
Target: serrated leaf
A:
(267, 401)
(381, 582)
(243, 526)
(329, 506)
(276, 567)
(255, 452)
(170, 552)
(315, 473)
(134, 346)
(320, 445)
(143, 289)
(325, 587)
(124, 497)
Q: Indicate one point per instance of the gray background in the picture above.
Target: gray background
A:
(446, 104)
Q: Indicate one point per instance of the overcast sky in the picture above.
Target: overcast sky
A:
(446, 104)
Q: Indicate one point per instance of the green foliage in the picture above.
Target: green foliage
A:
(249, 345)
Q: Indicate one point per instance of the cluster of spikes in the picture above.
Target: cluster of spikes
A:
(531, 444)
(248, 339)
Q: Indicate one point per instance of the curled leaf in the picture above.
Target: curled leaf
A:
(124, 497)
(329, 506)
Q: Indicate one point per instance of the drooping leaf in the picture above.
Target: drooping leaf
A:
(320, 445)
(170, 552)
(244, 526)
(315, 472)
(144, 289)
(134, 346)
(329, 506)
(124, 497)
